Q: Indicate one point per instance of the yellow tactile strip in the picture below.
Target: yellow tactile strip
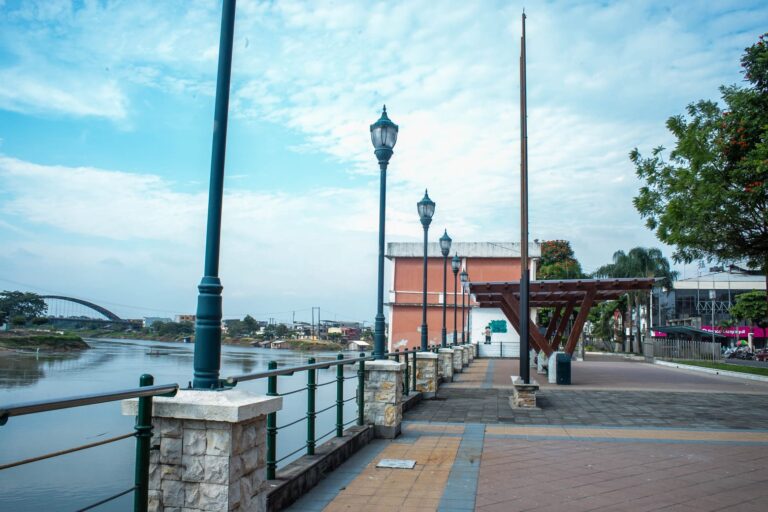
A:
(630, 433)
(419, 489)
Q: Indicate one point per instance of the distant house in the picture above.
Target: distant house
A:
(186, 318)
(358, 345)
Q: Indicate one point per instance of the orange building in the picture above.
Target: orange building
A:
(483, 261)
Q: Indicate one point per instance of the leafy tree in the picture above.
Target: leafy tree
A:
(710, 198)
(751, 306)
(281, 330)
(639, 262)
(558, 261)
(250, 325)
(21, 304)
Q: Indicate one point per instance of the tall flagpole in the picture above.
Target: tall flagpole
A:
(524, 315)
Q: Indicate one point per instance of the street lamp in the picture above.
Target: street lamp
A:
(445, 248)
(455, 266)
(464, 278)
(207, 358)
(426, 209)
(383, 137)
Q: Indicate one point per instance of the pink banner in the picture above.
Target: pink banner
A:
(741, 331)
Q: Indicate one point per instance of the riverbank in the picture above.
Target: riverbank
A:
(45, 342)
(301, 345)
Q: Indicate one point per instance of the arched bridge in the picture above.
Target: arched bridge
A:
(104, 311)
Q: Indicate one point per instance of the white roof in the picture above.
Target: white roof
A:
(722, 281)
(463, 249)
(361, 343)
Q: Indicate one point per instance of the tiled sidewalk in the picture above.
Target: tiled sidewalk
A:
(695, 459)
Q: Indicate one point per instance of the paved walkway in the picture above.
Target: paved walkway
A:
(584, 450)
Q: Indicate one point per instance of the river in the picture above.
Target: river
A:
(76, 480)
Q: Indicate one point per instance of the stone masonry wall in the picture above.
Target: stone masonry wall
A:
(207, 465)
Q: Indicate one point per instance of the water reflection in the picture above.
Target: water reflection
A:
(74, 481)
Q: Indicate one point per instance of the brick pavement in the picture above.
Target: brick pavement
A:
(584, 450)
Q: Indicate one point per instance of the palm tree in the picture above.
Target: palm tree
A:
(639, 262)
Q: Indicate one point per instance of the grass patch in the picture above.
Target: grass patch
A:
(728, 367)
(46, 342)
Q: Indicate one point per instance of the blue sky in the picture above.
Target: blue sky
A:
(105, 131)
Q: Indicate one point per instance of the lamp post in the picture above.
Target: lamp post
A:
(426, 209)
(464, 278)
(455, 265)
(207, 359)
(445, 248)
(383, 137)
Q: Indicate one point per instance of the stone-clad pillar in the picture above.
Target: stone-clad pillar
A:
(465, 356)
(471, 348)
(446, 363)
(211, 450)
(457, 359)
(426, 374)
(384, 397)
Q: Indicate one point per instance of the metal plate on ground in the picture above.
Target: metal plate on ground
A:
(396, 463)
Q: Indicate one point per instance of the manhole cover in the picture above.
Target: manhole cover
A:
(396, 463)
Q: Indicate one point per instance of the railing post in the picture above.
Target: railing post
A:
(501, 349)
(311, 389)
(340, 397)
(272, 426)
(143, 437)
(413, 372)
(406, 379)
(361, 391)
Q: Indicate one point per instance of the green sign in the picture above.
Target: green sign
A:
(498, 326)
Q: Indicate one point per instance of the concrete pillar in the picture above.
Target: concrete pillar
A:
(426, 374)
(446, 363)
(532, 359)
(212, 450)
(541, 363)
(552, 368)
(457, 359)
(471, 348)
(384, 397)
(465, 356)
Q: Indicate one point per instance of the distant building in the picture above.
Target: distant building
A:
(484, 261)
(186, 318)
(692, 300)
(149, 320)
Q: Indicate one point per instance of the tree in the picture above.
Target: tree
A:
(558, 261)
(751, 306)
(250, 325)
(639, 262)
(21, 304)
(710, 199)
(281, 330)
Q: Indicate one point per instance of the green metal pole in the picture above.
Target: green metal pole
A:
(143, 437)
(340, 397)
(360, 391)
(272, 426)
(207, 361)
(311, 390)
(413, 373)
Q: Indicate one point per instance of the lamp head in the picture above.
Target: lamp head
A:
(383, 136)
(426, 209)
(445, 244)
(455, 264)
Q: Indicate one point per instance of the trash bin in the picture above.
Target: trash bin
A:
(563, 363)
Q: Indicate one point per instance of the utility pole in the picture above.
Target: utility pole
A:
(524, 314)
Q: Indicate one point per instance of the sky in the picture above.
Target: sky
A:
(106, 113)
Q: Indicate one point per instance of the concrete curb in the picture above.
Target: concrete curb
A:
(712, 371)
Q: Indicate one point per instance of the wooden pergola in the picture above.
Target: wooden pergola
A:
(563, 295)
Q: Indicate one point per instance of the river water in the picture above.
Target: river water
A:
(76, 480)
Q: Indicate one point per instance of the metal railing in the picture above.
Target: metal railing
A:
(408, 383)
(686, 349)
(143, 431)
